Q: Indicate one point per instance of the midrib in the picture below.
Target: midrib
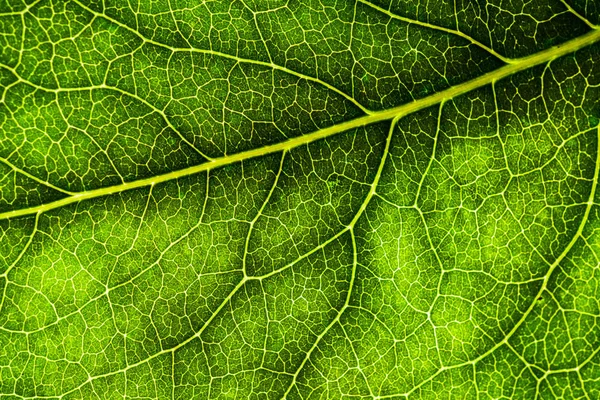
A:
(503, 72)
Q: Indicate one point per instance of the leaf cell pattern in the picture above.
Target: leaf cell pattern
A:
(299, 199)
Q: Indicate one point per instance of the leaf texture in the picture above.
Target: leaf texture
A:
(299, 199)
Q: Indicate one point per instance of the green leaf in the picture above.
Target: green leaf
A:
(299, 199)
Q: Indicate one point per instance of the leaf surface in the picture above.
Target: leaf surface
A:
(299, 199)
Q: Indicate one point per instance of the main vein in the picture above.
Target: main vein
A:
(400, 111)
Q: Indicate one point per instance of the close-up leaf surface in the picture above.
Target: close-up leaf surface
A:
(299, 199)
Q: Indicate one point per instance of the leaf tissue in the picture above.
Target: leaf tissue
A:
(299, 199)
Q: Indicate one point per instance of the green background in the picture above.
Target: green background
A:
(300, 199)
